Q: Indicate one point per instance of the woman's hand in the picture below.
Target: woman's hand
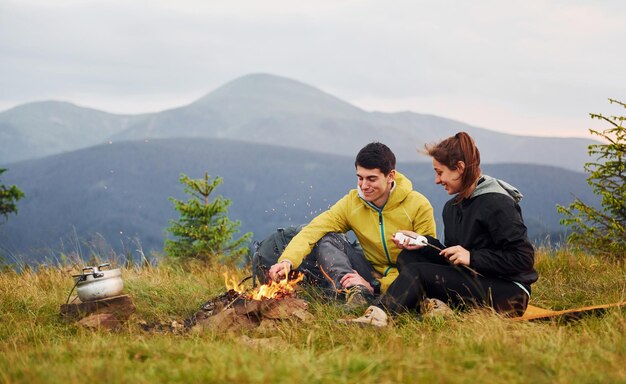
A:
(405, 244)
(457, 255)
(280, 270)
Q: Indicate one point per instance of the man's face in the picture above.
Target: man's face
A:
(374, 184)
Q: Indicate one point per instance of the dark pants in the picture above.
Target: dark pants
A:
(332, 257)
(426, 274)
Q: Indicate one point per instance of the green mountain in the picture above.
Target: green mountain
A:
(267, 109)
(115, 196)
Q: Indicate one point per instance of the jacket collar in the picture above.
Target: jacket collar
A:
(488, 184)
(399, 191)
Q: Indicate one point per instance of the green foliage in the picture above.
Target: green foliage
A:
(204, 231)
(8, 198)
(603, 232)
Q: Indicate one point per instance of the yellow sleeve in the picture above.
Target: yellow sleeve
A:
(424, 223)
(332, 220)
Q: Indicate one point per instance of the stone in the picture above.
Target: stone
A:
(109, 313)
(101, 321)
(227, 321)
(282, 309)
(121, 306)
(248, 307)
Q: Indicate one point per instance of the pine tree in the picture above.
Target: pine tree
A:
(204, 231)
(603, 232)
(8, 198)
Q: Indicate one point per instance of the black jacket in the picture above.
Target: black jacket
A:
(489, 224)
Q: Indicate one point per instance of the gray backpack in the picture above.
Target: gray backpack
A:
(266, 252)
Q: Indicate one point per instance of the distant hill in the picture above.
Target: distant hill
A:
(40, 129)
(116, 195)
(268, 109)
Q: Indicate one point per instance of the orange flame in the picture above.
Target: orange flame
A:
(271, 290)
(278, 289)
(231, 283)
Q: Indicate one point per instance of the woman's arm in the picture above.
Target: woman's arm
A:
(510, 251)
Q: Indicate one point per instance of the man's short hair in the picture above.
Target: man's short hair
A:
(376, 155)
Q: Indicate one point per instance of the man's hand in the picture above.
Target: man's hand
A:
(280, 270)
(352, 279)
(457, 255)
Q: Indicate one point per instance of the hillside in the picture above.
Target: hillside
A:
(267, 109)
(116, 195)
(40, 129)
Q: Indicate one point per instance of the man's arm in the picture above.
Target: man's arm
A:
(424, 221)
(332, 220)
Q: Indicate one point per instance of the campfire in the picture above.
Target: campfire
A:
(241, 308)
(272, 290)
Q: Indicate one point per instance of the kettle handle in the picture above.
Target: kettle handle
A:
(96, 269)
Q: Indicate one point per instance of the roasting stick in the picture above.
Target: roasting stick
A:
(472, 270)
(422, 240)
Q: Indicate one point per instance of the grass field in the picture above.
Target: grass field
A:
(36, 346)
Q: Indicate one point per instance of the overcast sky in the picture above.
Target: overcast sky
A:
(531, 67)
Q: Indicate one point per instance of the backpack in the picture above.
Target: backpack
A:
(266, 252)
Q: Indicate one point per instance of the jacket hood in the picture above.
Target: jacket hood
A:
(488, 184)
(401, 188)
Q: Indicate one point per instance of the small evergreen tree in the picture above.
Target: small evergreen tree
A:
(8, 198)
(204, 231)
(603, 232)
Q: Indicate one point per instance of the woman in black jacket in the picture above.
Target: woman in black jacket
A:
(487, 259)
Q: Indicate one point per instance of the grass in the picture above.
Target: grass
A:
(37, 346)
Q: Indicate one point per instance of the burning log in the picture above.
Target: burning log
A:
(240, 309)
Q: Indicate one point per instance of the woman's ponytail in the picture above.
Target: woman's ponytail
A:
(472, 163)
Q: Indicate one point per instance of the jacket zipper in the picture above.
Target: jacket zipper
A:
(382, 237)
(381, 225)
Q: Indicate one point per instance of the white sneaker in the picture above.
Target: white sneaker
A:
(436, 308)
(373, 316)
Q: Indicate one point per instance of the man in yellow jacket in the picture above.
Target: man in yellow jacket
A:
(383, 203)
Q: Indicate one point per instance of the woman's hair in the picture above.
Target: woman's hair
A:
(449, 152)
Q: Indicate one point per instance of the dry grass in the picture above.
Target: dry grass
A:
(37, 346)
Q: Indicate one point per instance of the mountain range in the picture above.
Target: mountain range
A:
(268, 109)
(115, 197)
(97, 182)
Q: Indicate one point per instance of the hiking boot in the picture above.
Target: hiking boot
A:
(358, 296)
(373, 316)
(436, 308)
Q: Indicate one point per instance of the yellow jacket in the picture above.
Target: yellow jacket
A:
(405, 209)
